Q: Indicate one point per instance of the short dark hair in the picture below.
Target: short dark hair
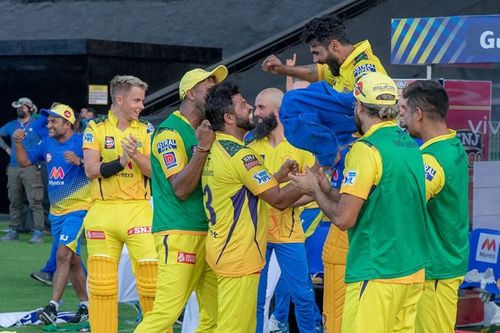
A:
(91, 110)
(218, 102)
(429, 96)
(324, 30)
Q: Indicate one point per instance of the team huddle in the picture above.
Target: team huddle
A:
(228, 189)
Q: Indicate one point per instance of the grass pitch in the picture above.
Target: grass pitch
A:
(19, 292)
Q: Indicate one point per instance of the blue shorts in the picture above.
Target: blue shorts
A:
(66, 229)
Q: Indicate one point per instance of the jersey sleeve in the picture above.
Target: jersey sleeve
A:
(168, 148)
(362, 171)
(5, 129)
(90, 138)
(252, 172)
(324, 73)
(366, 65)
(147, 139)
(434, 176)
(308, 160)
(37, 152)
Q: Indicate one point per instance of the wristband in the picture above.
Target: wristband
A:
(202, 149)
(111, 168)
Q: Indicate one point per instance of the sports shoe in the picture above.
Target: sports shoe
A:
(43, 277)
(37, 237)
(81, 315)
(11, 235)
(48, 314)
(276, 326)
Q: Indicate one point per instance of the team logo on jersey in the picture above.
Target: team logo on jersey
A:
(350, 177)
(186, 258)
(139, 230)
(88, 138)
(170, 160)
(429, 172)
(335, 174)
(109, 142)
(139, 143)
(250, 161)
(95, 234)
(363, 69)
(167, 144)
(56, 173)
(262, 177)
(150, 128)
(48, 157)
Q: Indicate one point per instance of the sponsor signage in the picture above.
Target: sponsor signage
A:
(445, 40)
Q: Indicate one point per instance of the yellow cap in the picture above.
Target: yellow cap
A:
(373, 84)
(60, 110)
(195, 76)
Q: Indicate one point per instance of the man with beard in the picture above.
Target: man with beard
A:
(180, 148)
(285, 236)
(24, 180)
(235, 185)
(340, 63)
(69, 195)
(423, 107)
(383, 186)
(337, 60)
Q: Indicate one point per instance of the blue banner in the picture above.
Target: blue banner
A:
(445, 40)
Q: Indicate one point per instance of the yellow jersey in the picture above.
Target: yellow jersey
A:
(104, 136)
(232, 178)
(434, 173)
(284, 226)
(359, 62)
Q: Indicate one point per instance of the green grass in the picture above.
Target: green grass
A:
(19, 292)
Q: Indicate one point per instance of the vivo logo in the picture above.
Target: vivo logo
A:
(488, 40)
(484, 126)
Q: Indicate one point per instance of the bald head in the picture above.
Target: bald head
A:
(267, 105)
(271, 97)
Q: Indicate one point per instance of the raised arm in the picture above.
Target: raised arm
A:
(273, 64)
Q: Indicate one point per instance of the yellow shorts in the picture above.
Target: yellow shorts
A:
(110, 224)
(379, 307)
(182, 268)
(437, 308)
(237, 304)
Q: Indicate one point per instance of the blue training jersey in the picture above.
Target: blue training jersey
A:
(68, 187)
(338, 170)
(35, 129)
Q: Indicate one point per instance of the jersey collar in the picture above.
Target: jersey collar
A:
(378, 126)
(114, 120)
(178, 114)
(451, 134)
(223, 136)
(358, 48)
